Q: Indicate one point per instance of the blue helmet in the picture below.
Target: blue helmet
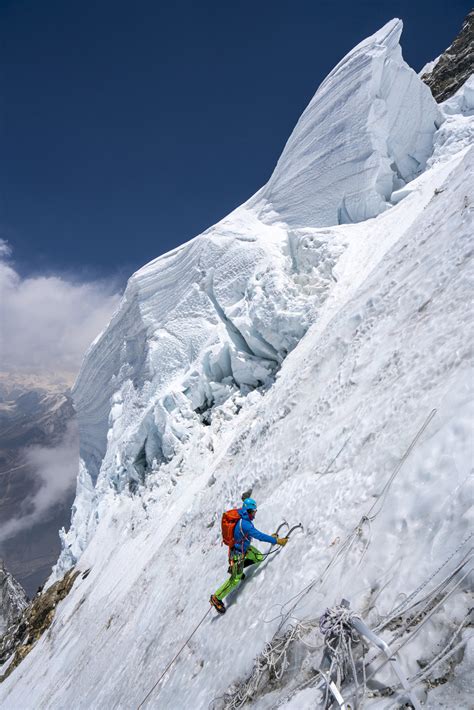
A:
(250, 504)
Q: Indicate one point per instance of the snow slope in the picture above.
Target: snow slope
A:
(300, 360)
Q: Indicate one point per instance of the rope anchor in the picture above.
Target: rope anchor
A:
(342, 628)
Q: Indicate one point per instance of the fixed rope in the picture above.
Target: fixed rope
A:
(366, 519)
(175, 657)
(402, 607)
(273, 661)
(334, 458)
(370, 515)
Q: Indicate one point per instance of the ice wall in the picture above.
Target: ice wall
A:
(213, 318)
(367, 131)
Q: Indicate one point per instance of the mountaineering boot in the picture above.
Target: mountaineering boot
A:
(217, 604)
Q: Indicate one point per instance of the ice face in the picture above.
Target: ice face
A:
(220, 314)
(367, 131)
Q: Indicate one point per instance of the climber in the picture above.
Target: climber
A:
(238, 530)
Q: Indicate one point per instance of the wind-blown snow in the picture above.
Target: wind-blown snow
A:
(251, 356)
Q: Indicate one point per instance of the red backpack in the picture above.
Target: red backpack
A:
(229, 520)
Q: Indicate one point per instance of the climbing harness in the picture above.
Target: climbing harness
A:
(343, 629)
(176, 656)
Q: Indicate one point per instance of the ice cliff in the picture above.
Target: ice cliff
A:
(295, 347)
(219, 314)
(367, 131)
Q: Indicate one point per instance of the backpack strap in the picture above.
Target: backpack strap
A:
(244, 536)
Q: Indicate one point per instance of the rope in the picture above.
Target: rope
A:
(396, 612)
(339, 636)
(173, 660)
(441, 657)
(340, 640)
(272, 661)
(417, 629)
(445, 651)
(295, 527)
(386, 488)
(368, 518)
(333, 460)
(299, 526)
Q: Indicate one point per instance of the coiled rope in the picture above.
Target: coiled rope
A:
(339, 636)
(272, 661)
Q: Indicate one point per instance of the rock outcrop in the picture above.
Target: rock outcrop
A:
(13, 598)
(35, 620)
(455, 65)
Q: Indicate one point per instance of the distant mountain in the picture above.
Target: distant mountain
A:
(13, 598)
(34, 412)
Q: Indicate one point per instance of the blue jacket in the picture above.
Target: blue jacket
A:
(245, 530)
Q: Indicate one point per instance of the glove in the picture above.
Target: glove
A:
(282, 541)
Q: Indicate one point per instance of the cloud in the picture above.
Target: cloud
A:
(47, 322)
(46, 325)
(55, 470)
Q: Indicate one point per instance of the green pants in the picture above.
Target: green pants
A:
(237, 561)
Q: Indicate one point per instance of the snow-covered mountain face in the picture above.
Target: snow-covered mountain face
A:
(296, 347)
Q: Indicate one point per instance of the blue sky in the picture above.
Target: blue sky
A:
(128, 128)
